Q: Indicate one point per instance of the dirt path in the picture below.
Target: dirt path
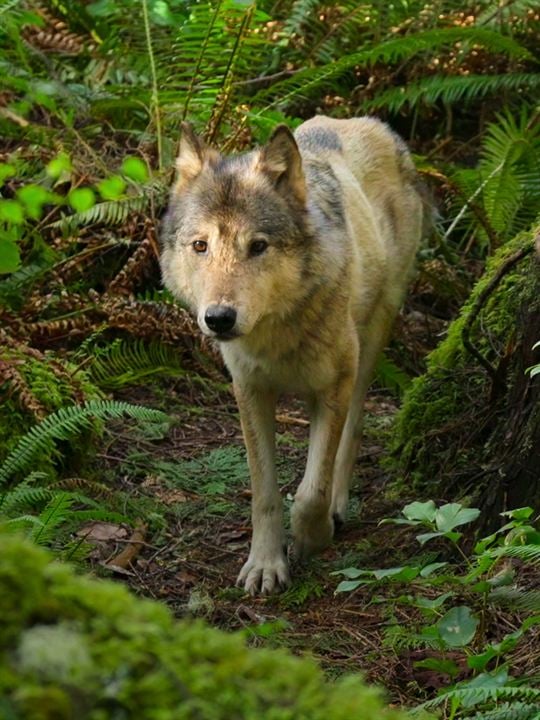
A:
(192, 490)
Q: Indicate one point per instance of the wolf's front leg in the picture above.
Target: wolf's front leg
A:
(266, 568)
(311, 518)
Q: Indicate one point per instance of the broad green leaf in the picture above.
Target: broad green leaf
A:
(399, 574)
(135, 169)
(348, 585)
(480, 662)
(431, 568)
(6, 171)
(420, 511)
(428, 604)
(523, 513)
(424, 537)
(10, 259)
(58, 166)
(82, 199)
(34, 197)
(12, 212)
(112, 187)
(351, 572)
(458, 627)
(451, 515)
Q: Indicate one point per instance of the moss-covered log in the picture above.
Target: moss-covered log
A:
(75, 647)
(470, 426)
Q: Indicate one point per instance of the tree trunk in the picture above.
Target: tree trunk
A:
(470, 426)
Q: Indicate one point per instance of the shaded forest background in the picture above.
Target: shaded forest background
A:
(92, 95)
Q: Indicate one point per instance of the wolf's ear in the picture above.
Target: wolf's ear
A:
(281, 162)
(191, 156)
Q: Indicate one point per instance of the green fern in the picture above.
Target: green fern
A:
(525, 553)
(306, 82)
(506, 182)
(516, 599)
(489, 692)
(451, 90)
(65, 423)
(510, 711)
(114, 212)
(126, 362)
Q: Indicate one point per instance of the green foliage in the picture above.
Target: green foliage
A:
(456, 386)
(506, 183)
(481, 580)
(128, 362)
(71, 644)
(63, 425)
(32, 505)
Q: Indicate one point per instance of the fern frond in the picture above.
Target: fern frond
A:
(525, 600)
(451, 89)
(310, 80)
(65, 423)
(525, 553)
(54, 514)
(125, 362)
(509, 711)
(114, 212)
(469, 696)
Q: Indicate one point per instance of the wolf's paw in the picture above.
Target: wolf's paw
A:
(264, 575)
(313, 532)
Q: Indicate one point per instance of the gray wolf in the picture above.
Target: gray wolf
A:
(295, 258)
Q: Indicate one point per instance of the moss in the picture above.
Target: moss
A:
(75, 647)
(446, 421)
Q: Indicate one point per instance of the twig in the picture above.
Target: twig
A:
(130, 552)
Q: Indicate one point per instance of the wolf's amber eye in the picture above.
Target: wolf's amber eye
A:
(200, 246)
(257, 247)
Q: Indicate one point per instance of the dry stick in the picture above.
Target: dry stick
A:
(480, 301)
(130, 552)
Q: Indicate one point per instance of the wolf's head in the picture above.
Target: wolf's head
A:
(235, 235)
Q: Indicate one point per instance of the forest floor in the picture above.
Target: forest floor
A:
(190, 488)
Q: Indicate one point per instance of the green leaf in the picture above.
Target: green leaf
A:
(458, 627)
(420, 511)
(58, 166)
(6, 170)
(348, 585)
(523, 513)
(135, 169)
(428, 604)
(34, 197)
(82, 199)
(431, 568)
(112, 187)
(424, 537)
(398, 574)
(10, 259)
(451, 515)
(12, 212)
(351, 572)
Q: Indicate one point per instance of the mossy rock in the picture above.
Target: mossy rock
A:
(73, 647)
(466, 431)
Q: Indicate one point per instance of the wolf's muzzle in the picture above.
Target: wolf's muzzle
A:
(220, 319)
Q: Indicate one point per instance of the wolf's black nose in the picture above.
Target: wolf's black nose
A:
(220, 318)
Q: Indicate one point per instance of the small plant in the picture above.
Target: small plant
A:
(454, 605)
(33, 506)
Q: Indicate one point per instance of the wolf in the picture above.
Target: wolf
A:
(295, 258)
